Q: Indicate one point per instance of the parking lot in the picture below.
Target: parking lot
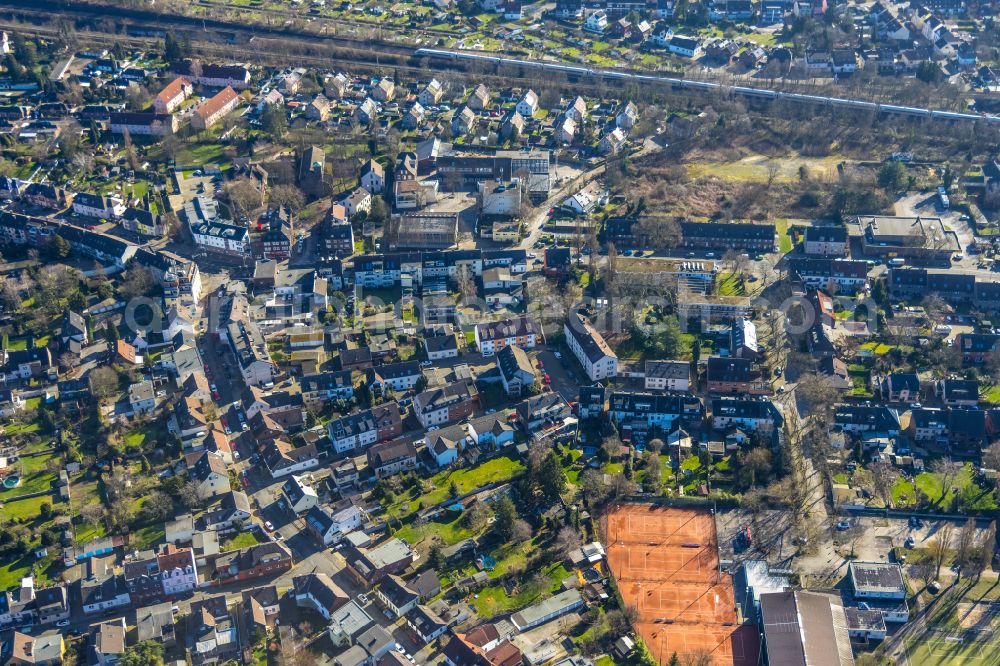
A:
(824, 558)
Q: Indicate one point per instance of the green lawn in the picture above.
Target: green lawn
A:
(929, 649)
(951, 638)
(147, 537)
(26, 508)
(447, 528)
(730, 284)
(241, 540)
(21, 428)
(11, 573)
(31, 482)
(495, 469)
(930, 484)
(784, 240)
(493, 600)
(877, 348)
(991, 395)
(17, 344)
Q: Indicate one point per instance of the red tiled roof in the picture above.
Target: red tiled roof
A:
(212, 106)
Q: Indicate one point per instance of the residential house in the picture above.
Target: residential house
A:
(371, 565)
(957, 392)
(384, 91)
(389, 458)
(173, 95)
(101, 589)
(452, 402)
(22, 648)
(516, 371)
(491, 337)
(835, 276)
(541, 412)
(358, 201)
(263, 559)
(596, 22)
(513, 126)
(366, 113)
(565, 131)
(212, 637)
(215, 109)
(639, 414)
(98, 206)
(326, 387)
(209, 474)
(728, 375)
(373, 177)
(479, 99)
(976, 347)
(396, 595)
(667, 375)
(142, 397)
(589, 347)
(233, 511)
(527, 106)
(754, 414)
(282, 459)
(329, 526)
(866, 418)
(144, 124)
(577, 110)
(627, 116)
(156, 623)
(178, 570)
(362, 429)
(440, 347)
(899, 387)
(399, 377)
(426, 624)
(318, 109)
(681, 45)
(828, 241)
(613, 142)
(463, 121)
(318, 591)
(431, 93)
(261, 605)
(299, 494)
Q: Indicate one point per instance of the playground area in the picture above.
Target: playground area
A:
(666, 563)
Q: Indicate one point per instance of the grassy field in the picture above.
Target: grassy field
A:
(495, 469)
(147, 537)
(991, 395)
(903, 494)
(961, 628)
(25, 508)
(447, 528)
(241, 540)
(784, 240)
(493, 600)
(730, 284)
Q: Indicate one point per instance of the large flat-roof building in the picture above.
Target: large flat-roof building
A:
(917, 237)
(876, 580)
(805, 628)
(425, 231)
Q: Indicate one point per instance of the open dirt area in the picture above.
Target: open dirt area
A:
(666, 562)
(980, 615)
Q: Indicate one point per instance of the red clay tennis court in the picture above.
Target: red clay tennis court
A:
(666, 562)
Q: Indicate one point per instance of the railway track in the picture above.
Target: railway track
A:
(352, 53)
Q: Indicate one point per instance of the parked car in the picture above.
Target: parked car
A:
(844, 525)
